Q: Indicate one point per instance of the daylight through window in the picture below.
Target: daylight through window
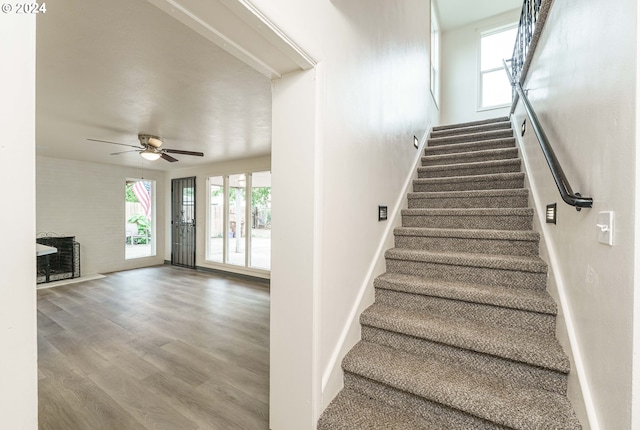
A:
(495, 45)
(139, 236)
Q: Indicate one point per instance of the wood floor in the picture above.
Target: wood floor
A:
(155, 348)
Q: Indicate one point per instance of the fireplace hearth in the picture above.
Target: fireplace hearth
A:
(64, 264)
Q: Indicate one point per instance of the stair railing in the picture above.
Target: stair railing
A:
(566, 192)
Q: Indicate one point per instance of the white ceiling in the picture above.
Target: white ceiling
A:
(456, 13)
(111, 69)
(195, 72)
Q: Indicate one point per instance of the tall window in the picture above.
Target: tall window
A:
(239, 225)
(261, 220)
(494, 88)
(435, 55)
(237, 198)
(216, 219)
(139, 214)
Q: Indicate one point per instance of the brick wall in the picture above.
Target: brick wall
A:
(86, 200)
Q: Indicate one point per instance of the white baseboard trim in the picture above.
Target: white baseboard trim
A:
(62, 282)
(332, 370)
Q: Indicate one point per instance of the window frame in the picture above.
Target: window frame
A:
(434, 56)
(152, 216)
(225, 264)
(489, 31)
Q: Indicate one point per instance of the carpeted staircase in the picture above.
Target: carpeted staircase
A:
(462, 331)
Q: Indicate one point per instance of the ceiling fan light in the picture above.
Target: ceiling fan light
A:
(150, 155)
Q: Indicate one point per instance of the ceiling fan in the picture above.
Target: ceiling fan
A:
(149, 148)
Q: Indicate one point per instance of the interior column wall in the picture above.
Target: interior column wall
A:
(295, 263)
(18, 360)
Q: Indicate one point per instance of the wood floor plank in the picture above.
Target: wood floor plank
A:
(153, 348)
(202, 409)
(54, 411)
(93, 405)
(153, 411)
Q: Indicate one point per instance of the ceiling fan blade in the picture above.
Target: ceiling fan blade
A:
(169, 158)
(114, 143)
(124, 152)
(179, 151)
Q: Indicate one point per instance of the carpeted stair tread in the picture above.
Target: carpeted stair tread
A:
(473, 156)
(470, 179)
(468, 211)
(447, 199)
(491, 198)
(469, 194)
(354, 411)
(502, 262)
(471, 147)
(522, 299)
(507, 163)
(471, 129)
(462, 233)
(472, 393)
(513, 344)
(471, 137)
(470, 123)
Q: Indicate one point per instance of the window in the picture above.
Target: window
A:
(495, 45)
(139, 213)
(216, 219)
(435, 56)
(240, 220)
(236, 195)
(261, 220)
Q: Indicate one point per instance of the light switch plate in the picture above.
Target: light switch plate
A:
(605, 228)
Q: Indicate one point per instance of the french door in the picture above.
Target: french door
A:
(183, 222)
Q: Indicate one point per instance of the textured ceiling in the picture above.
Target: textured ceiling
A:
(456, 13)
(112, 69)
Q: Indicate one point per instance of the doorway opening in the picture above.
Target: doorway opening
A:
(183, 222)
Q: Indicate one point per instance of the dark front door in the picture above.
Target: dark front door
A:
(183, 222)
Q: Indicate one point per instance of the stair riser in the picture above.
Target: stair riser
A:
(480, 275)
(466, 171)
(479, 246)
(510, 372)
(469, 202)
(470, 124)
(469, 157)
(448, 417)
(485, 145)
(500, 134)
(494, 184)
(532, 322)
(473, 129)
(481, 222)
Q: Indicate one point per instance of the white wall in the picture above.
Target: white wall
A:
(296, 240)
(202, 173)
(581, 84)
(635, 400)
(460, 79)
(18, 359)
(86, 200)
(373, 97)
